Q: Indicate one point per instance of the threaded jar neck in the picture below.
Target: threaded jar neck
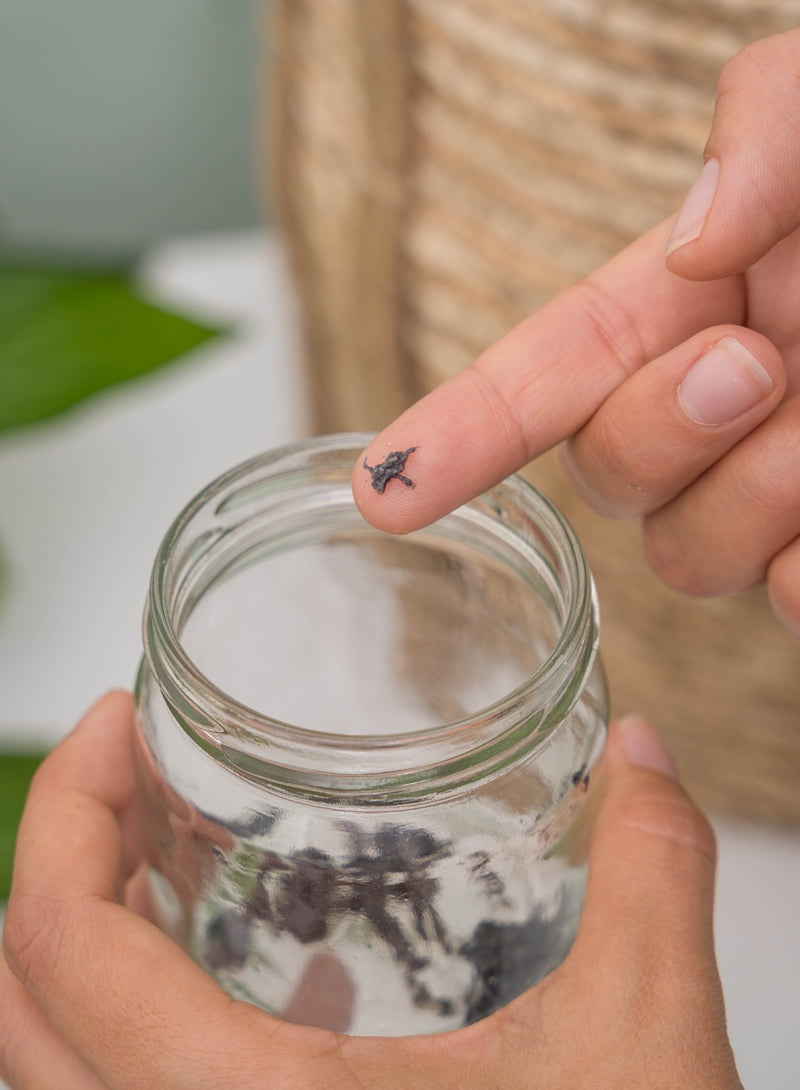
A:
(286, 501)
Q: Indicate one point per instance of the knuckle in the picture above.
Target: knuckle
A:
(15, 1035)
(671, 563)
(631, 482)
(33, 933)
(39, 779)
(46, 777)
(765, 485)
(783, 585)
(751, 60)
(507, 414)
(604, 474)
(614, 328)
(760, 479)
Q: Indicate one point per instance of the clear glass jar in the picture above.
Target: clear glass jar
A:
(368, 752)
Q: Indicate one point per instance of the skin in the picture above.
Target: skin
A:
(602, 367)
(92, 990)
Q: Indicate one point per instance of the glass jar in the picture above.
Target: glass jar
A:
(365, 757)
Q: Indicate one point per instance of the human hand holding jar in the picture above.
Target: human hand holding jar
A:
(676, 387)
(91, 989)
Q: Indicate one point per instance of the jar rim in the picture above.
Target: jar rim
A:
(259, 745)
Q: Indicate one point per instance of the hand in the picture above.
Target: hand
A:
(676, 384)
(93, 995)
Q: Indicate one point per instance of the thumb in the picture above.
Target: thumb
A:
(747, 196)
(649, 899)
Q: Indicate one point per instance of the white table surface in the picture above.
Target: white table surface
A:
(85, 499)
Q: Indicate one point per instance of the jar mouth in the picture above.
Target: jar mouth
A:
(286, 495)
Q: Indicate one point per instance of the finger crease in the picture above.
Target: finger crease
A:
(613, 325)
(507, 413)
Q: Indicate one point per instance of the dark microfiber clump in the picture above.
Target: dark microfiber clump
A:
(391, 468)
(228, 940)
(508, 959)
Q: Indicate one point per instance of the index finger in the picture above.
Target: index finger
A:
(536, 386)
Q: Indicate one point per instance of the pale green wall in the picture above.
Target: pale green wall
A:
(122, 121)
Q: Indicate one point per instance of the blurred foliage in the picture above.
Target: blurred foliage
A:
(65, 335)
(16, 770)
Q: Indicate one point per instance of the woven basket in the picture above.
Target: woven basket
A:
(443, 167)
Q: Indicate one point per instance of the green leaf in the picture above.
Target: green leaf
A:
(16, 770)
(65, 335)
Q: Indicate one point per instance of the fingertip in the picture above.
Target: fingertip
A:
(385, 485)
(727, 251)
(114, 711)
(114, 701)
(454, 444)
(414, 474)
(694, 211)
(638, 744)
(96, 756)
(783, 586)
(644, 797)
(653, 851)
(722, 229)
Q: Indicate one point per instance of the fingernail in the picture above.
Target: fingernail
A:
(725, 382)
(695, 208)
(643, 746)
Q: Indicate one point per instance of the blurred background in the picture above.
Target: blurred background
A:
(144, 325)
(149, 340)
(124, 123)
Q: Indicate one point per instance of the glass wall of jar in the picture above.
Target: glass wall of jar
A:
(368, 752)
